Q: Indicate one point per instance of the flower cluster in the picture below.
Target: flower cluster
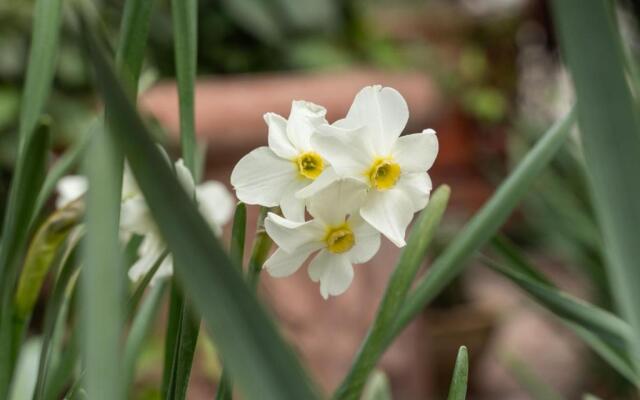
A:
(357, 178)
(214, 202)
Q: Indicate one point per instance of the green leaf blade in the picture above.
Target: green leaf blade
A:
(458, 388)
(260, 362)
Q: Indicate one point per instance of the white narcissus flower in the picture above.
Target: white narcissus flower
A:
(337, 233)
(271, 175)
(214, 202)
(70, 188)
(366, 145)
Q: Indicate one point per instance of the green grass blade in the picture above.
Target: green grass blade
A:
(42, 64)
(256, 355)
(259, 251)
(484, 224)
(236, 252)
(184, 17)
(54, 306)
(140, 329)
(102, 282)
(134, 31)
(41, 253)
(458, 388)
(24, 189)
(62, 167)
(238, 234)
(401, 279)
(610, 327)
(138, 292)
(185, 27)
(610, 132)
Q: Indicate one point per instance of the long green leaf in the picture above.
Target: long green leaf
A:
(604, 332)
(401, 279)
(62, 167)
(260, 250)
(256, 355)
(140, 329)
(40, 255)
(236, 251)
(54, 307)
(458, 388)
(184, 16)
(185, 27)
(24, 189)
(610, 132)
(484, 224)
(102, 281)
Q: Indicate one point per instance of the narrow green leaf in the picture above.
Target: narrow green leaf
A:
(43, 248)
(140, 329)
(102, 282)
(143, 284)
(610, 132)
(236, 252)
(401, 279)
(238, 234)
(134, 30)
(184, 17)
(484, 224)
(62, 167)
(185, 28)
(54, 306)
(256, 355)
(458, 388)
(24, 189)
(42, 64)
(260, 250)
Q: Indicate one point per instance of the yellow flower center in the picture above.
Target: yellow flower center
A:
(383, 174)
(310, 164)
(340, 239)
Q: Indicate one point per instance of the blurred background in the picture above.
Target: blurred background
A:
(485, 74)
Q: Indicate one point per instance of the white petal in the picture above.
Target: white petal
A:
(260, 177)
(129, 185)
(185, 178)
(332, 204)
(326, 178)
(383, 111)
(334, 271)
(389, 212)
(367, 240)
(282, 264)
(278, 140)
(149, 251)
(292, 206)
(417, 152)
(135, 216)
(292, 235)
(348, 151)
(417, 187)
(70, 188)
(215, 203)
(303, 121)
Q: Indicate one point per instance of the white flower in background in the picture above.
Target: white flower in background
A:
(367, 146)
(70, 188)
(337, 233)
(271, 175)
(214, 202)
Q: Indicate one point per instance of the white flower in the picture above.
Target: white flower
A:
(366, 145)
(342, 237)
(214, 202)
(271, 175)
(70, 188)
